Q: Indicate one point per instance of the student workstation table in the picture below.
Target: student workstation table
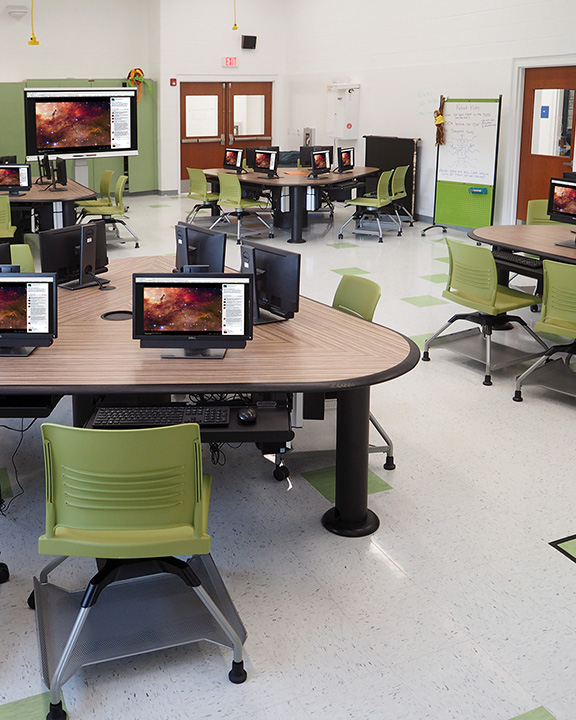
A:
(540, 240)
(297, 182)
(55, 207)
(320, 349)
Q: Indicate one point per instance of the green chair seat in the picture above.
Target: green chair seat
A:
(368, 206)
(198, 191)
(230, 195)
(7, 230)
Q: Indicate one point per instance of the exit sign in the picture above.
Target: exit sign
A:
(229, 62)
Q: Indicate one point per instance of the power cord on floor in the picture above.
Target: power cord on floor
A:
(4, 506)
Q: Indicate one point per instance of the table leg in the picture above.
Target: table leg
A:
(297, 200)
(350, 516)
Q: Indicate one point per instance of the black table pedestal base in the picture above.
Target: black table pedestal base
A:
(331, 521)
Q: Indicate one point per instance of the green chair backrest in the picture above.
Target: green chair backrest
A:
(5, 216)
(119, 192)
(473, 274)
(198, 183)
(537, 213)
(22, 255)
(230, 190)
(124, 480)
(357, 295)
(398, 189)
(558, 299)
(106, 185)
(382, 190)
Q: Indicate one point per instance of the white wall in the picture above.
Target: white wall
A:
(404, 55)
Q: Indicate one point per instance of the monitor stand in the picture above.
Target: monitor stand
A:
(76, 284)
(16, 351)
(265, 316)
(567, 243)
(188, 353)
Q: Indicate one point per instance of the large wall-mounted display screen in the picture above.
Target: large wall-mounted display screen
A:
(81, 122)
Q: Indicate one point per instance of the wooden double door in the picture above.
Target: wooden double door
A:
(216, 115)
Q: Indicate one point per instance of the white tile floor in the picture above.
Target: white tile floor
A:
(456, 608)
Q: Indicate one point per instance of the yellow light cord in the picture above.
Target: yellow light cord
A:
(234, 27)
(32, 40)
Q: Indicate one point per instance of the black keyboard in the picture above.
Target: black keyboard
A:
(511, 257)
(134, 417)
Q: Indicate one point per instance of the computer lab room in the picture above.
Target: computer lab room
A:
(287, 375)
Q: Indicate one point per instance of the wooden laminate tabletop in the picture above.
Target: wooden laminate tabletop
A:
(319, 349)
(296, 177)
(72, 191)
(535, 239)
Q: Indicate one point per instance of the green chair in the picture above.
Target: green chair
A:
(105, 195)
(110, 213)
(369, 206)
(231, 195)
(398, 191)
(135, 500)
(7, 230)
(198, 191)
(473, 282)
(359, 296)
(21, 254)
(537, 213)
(558, 317)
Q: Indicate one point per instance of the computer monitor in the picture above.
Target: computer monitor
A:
(192, 316)
(28, 315)
(345, 159)
(58, 174)
(321, 161)
(76, 254)
(8, 159)
(562, 204)
(250, 154)
(15, 178)
(266, 161)
(5, 254)
(197, 245)
(276, 287)
(9, 268)
(44, 170)
(233, 159)
(307, 150)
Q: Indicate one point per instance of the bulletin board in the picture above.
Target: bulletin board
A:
(466, 163)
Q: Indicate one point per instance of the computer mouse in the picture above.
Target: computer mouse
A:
(247, 415)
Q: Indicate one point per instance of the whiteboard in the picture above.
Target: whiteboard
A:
(471, 141)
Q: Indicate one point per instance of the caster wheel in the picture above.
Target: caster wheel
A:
(4, 573)
(340, 236)
(270, 235)
(281, 472)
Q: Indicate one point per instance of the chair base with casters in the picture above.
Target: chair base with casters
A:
(364, 213)
(208, 205)
(239, 214)
(495, 356)
(118, 615)
(109, 220)
(550, 374)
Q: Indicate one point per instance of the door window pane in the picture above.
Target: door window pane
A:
(201, 115)
(552, 122)
(249, 114)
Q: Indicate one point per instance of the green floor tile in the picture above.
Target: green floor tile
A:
(342, 245)
(323, 480)
(158, 206)
(420, 339)
(32, 708)
(437, 278)
(539, 713)
(424, 301)
(5, 487)
(351, 271)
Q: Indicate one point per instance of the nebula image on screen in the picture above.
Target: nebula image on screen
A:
(13, 308)
(182, 309)
(565, 200)
(262, 161)
(71, 124)
(346, 159)
(9, 176)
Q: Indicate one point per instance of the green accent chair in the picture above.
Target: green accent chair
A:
(473, 282)
(135, 500)
(231, 195)
(370, 206)
(356, 296)
(21, 254)
(105, 195)
(537, 213)
(7, 230)
(110, 213)
(558, 316)
(198, 191)
(398, 191)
